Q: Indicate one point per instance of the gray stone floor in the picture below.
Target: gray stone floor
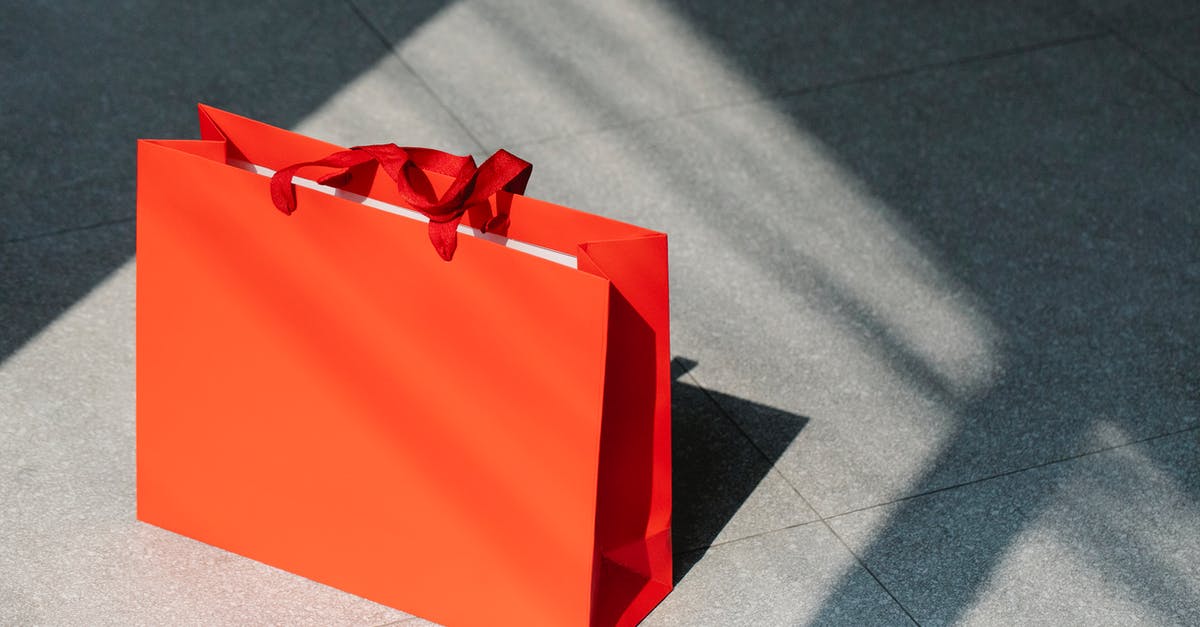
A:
(935, 283)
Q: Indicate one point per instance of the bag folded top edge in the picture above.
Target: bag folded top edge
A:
(239, 141)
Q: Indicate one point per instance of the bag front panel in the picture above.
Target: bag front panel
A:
(323, 393)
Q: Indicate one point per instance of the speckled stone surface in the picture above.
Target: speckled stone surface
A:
(953, 274)
(934, 282)
(1133, 13)
(89, 79)
(1175, 46)
(1106, 539)
(783, 578)
(522, 71)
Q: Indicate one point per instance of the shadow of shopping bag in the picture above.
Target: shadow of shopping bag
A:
(479, 440)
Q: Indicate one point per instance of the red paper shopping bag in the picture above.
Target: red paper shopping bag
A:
(473, 427)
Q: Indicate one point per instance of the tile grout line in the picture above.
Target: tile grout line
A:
(762, 454)
(421, 79)
(820, 517)
(1120, 36)
(698, 549)
(1149, 59)
(67, 230)
(870, 572)
(824, 520)
(1152, 62)
(1017, 471)
(822, 87)
(1138, 23)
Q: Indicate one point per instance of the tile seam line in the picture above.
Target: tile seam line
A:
(391, 50)
(837, 537)
(828, 86)
(821, 519)
(1137, 23)
(1121, 36)
(1017, 471)
(1153, 62)
(759, 534)
(824, 520)
(67, 230)
(863, 564)
(867, 568)
(762, 454)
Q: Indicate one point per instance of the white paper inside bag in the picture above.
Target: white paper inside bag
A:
(525, 247)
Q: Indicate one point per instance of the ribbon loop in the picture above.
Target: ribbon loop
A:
(283, 193)
(503, 171)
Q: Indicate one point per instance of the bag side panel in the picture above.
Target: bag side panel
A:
(634, 503)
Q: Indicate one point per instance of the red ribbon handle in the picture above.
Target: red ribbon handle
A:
(407, 167)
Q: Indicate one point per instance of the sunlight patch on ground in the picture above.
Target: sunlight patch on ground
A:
(1116, 533)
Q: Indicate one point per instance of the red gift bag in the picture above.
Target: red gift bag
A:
(446, 398)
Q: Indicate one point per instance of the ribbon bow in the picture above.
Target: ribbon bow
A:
(407, 166)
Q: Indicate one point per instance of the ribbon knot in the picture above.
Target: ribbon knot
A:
(407, 167)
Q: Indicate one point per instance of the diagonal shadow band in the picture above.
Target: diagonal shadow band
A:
(716, 467)
(83, 81)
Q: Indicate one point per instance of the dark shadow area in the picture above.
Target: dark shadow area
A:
(1059, 187)
(715, 466)
(83, 81)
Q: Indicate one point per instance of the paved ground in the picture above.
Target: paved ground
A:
(936, 283)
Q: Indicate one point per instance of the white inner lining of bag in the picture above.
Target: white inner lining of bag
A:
(548, 254)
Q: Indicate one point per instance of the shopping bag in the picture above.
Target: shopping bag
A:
(469, 423)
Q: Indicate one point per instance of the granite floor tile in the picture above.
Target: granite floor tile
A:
(517, 72)
(789, 577)
(57, 269)
(44, 275)
(72, 551)
(1111, 538)
(951, 274)
(83, 81)
(386, 103)
(1175, 47)
(1123, 14)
